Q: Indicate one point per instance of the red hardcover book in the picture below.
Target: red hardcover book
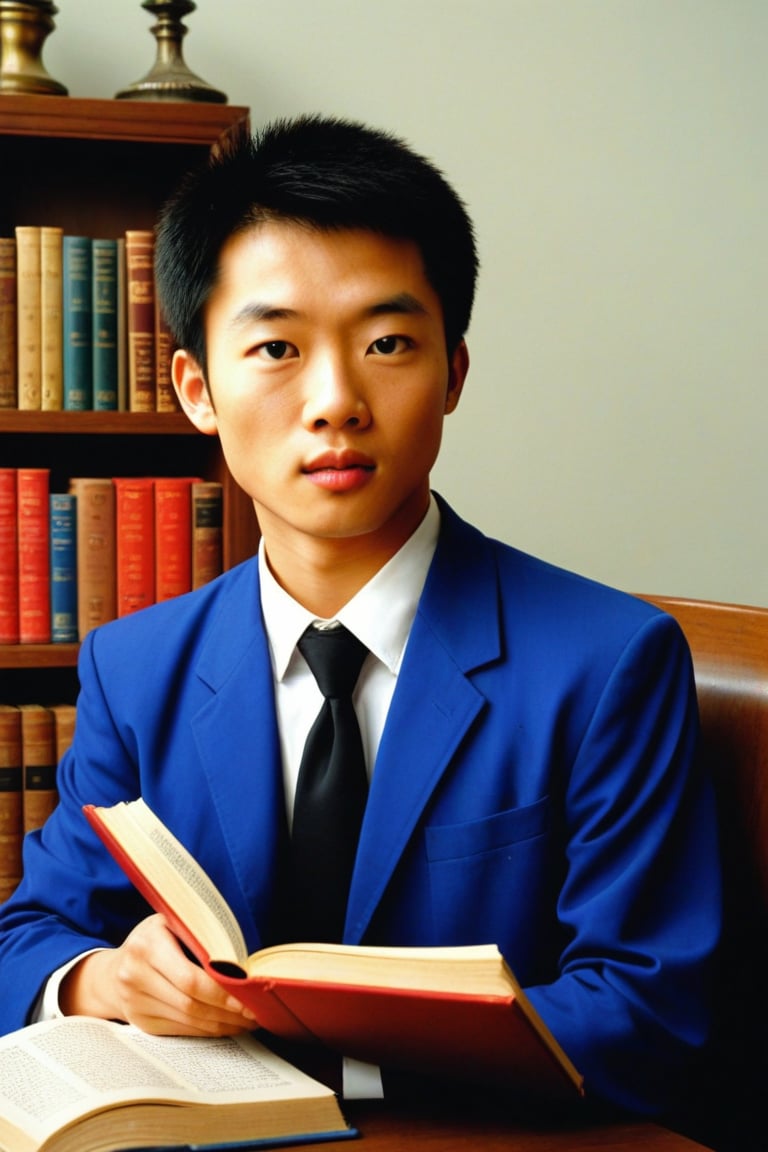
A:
(140, 285)
(173, 536)
(445, 1011)
(9, 558)
(34, 555)
(135, 542)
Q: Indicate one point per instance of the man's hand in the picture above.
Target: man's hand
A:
(149, 981)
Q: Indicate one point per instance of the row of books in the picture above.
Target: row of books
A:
(80, 325)
(70, 561)
(33, 738)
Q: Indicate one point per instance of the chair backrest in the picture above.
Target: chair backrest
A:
(729, 646)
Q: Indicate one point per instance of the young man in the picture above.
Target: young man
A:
(529, 735)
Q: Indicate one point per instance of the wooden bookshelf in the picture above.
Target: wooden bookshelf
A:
(97, 168)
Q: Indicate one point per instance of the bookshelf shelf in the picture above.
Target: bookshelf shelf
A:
(38, 655)
(15, 422)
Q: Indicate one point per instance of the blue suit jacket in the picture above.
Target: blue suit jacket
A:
(535, 787)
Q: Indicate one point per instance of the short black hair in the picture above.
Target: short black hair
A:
(326, 173)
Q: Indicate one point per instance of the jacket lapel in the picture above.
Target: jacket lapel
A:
(236, 735)
(456, 631)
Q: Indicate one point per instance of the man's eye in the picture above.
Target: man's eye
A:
(277, 350)
(387, 345)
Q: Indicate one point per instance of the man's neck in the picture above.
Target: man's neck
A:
(324, 574)
(328, 579)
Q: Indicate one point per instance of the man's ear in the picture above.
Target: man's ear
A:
(457, 374)
(192, 391)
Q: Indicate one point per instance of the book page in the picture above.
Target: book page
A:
(198, 883)
(155, 856)
(52, 1072)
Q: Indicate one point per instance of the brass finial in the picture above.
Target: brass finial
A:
(24, 26)
(169, 78)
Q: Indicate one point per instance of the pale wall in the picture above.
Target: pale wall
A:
(614, 154)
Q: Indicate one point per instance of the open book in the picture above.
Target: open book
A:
(455, 1011)
(83, 1085)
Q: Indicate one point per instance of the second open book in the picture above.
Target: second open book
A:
(442, 1011)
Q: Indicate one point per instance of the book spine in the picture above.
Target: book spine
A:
(11, 819)
(34, 556)
(29, 361)
(135, 517)
(207, 531)
(8, 322)
(78, 369)
(51, 331)
(9, 557)
(122, 328)
(38, 754)
(104, 293)
(140, 274)
(167, 400)
(64, 716)
(96, 562)
(173, 536)
(63, 546)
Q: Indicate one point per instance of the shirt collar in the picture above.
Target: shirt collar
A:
(380, 614)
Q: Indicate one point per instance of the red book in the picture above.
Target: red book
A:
(135, 542)
(34, 555)
(9, 558)
(140, 285)
(173, 536)
(445, 1011)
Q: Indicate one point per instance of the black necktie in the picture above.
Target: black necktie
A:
(331, 790)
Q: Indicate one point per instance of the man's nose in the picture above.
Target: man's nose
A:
(335, 396)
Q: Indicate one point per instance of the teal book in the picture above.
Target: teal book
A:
(63, 553)
(77, 323)
(105, 325)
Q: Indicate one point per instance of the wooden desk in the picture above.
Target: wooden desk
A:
(385, 1128)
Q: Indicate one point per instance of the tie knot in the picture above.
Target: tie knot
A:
(335, 657)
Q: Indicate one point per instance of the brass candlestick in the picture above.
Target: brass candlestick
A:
(24, 26)
(169, 78)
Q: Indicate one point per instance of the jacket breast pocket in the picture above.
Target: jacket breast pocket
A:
(489, 876)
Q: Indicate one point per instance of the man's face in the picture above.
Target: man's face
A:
(329, 381)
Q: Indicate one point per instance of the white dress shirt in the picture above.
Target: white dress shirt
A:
(380, 615)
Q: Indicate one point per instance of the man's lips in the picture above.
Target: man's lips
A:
(340, 471)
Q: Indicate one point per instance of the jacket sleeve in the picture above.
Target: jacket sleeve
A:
(73, 897)
(641, 898)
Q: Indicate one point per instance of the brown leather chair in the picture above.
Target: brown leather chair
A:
(729, 645)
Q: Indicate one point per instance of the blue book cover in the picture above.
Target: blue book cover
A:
(104, 327)
(63, 568)
(77, 323)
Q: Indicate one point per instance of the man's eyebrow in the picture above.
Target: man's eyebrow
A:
(402, 303)
(256, 310)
